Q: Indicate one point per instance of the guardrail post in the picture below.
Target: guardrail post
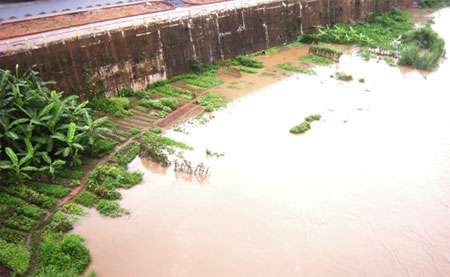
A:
(62, 38)
(8, 47)
(27, 43)
(92, 31)
(77, 33)
(44, 40)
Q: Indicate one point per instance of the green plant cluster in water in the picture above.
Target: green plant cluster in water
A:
(315, 59)
(212, 101)
(423, 38)
(305, 125)
(344, 76)
(288, 66)
(325, 51)
(378, 30)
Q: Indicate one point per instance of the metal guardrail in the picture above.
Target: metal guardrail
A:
(94, 29)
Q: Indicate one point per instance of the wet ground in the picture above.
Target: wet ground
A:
(365, 192)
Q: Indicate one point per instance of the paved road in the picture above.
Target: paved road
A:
(41, 7)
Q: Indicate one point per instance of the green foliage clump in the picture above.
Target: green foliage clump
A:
(18, 221)
(315, 59)
(125, 92)
(422, 38)
(156, 130)
(11, 235)
(133, 131)
(212, 101)
(325, 51)
(103, 147)
(105, 179)
(378, 30)
(15, 256)
(305, 125)
(300, 128)
(116, 106)
(30, 195)
(204, 81)
(20, 206)
(86, 199)
(71, 174)
(231, 62)
(173, 91)
(344, 77)
(142, 94)
(288, 66)
(126, 154)
(73, 209)
(248, 70)
(60, 252)
(62, 222)
(52, 190)
(109, 208)
(249, 62)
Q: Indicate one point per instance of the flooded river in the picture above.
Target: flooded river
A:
(365, 192)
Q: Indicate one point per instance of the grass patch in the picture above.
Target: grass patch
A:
(212, 101)
(71, 174)
(86, 199)
(204, 82)
(11, 235)
(288, 66)
(116, 106)
(315, 59)
(14, 256)
(51, 190)
(248, 70)
(133, 131)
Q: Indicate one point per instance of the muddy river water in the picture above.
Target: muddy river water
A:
(365, 192)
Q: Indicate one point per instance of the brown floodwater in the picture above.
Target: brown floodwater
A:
(365, 192)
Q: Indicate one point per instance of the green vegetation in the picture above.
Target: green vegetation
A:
(71, 174)
(420, 48)
(173, 91)
(305, 125)
(249, 62)
(62, 255)
(73, 209)
(378, 30)
(325, 51)
(157, 147)
(14, 256)
(212, 101)
(116, 106)
(20, 206)
(133, 131)
(433, 4)
(361, 80)
(344, 77)
(165, 104)
(125, 92)
(86, 199)
(204, 82)
(288, 66)
(315, 59)
(11, 235)
(423, 38)
(248, 70)
(51, 190)
(109, 208)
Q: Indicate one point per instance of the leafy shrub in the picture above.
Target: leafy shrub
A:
(423, 4)
(102, 147)
(157, 84)
(156, 130)
(169, 102)
(109, 208)
(169, 90)
(86, 199)
(63, 252)
(212, 101)
(204, 82)
(62, 222)
(14, 256)
(232, 62)
(133, 131)
(125, 92)
(19, 222)
(73, 209)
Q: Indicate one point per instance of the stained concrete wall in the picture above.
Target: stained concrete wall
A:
(104, 63)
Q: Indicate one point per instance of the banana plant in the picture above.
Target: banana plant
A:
(18, 168)
(52, 166)
(72, 146)
(93, 129)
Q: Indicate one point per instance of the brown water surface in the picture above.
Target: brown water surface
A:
(365, 192)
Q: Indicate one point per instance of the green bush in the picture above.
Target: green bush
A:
(433, 4)
(86, 199)
(125, 92)
(109, 208)
(71, 174)
(204, 82)
(142, 94)
(212, 101)
(30, 195)
(20, 206)
(313, 117)
(344, 77)
(133, 131)
(52, 190)
(103, 147)
(19, 222)
(156, 130)
(14, 256)
(63, 253)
